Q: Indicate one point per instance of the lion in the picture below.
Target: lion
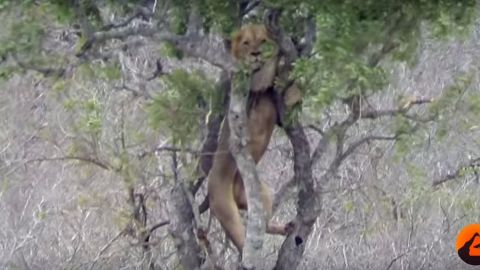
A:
(252, 47)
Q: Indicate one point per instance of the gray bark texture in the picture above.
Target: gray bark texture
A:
(308, 203)
(256, 222)
(182, 230)
(309, 200)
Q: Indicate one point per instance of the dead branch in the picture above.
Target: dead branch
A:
(105, 247)
(374, 114)
(473, 164)
(182, 225)
(46, 71)
(250, 5)
(102, 164)
(158, 225)
(365, 140)
(310, 37)
(140, 12)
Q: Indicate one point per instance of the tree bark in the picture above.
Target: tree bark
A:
(308, 204)
(210, 143)
(256, 222)
(182, 226)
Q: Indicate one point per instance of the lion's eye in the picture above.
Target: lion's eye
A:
(246, 43)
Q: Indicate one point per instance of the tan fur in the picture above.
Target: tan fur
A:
(247, 48)
(225, 187)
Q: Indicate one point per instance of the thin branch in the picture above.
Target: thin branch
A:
(140, 12)
(101, 37)
(46, 71)
(251, 6)
(364, 140)
(395, 259)
(321, 148)
(90, 160)
(105, 247)
(158, 71)
(474, 164)
(315, 128)
(158, 225)
(310, 37)
(135, 93)
(171, 149)
(374, 114)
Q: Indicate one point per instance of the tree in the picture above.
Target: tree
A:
(340, 53)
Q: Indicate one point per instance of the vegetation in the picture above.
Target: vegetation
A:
(112, 110)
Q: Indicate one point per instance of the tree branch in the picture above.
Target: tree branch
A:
(46, 71)
(90, 160)
(474, 165)
(310, 37)
(158, 225)
(181, 225)
(239, 137)
(361, 142)
(286, 46)
(308, 201)
(207, 47)
(251, 5)
(373, 114)
(140, 12)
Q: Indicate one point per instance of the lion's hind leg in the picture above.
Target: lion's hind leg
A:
(273, 227)
(229, 217)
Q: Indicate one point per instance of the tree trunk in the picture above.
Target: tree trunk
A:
(308, 204)
(256, 222)
(182, 226)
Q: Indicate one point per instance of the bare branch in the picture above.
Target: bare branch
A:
(209, 47)
(103, 36)
(158, 71)
(310, 37)
(135, 92)
(101, 164)
(321, 148)
(473, 164)
(105, 247)
(181, 226)
(46, 71)
(172, 149)
(365, 140)
(287, 48)
(373, 114)
(140, 12)
(250, 6)
(158, 225)
(317, 129)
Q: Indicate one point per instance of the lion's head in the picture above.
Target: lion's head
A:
(252, 46)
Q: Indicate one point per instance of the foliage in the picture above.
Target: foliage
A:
(178, 107)
(355, 35)
(357, 44)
